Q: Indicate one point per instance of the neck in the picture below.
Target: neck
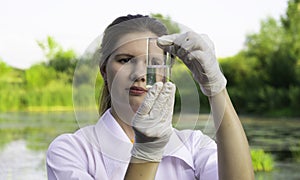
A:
(125, 127)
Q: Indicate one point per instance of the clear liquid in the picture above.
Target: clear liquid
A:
(156, 73)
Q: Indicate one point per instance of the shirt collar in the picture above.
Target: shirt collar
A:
(112, 139)
(177, 148)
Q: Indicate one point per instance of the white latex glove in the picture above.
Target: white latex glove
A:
(197, 52)
(152, 122)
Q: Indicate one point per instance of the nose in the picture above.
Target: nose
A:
(139, 71)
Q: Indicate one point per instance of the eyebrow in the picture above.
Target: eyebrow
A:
(123, 54)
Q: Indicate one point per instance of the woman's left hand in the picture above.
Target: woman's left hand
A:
(152, 122)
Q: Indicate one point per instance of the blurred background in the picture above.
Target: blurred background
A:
(43, 45)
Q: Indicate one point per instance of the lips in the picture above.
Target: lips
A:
(135, 90)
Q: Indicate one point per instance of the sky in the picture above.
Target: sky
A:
(75, 24)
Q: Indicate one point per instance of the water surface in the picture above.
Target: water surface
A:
(26, 136)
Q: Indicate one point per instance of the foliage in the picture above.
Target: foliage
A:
(43, 85)
(291, 24)
(262, 161)
(57, 58)
(38, 76)
(4, 68)
(263, 78)
(171, 25)
(276, 59)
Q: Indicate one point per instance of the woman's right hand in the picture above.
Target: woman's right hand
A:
(198, 53)
(152, 122)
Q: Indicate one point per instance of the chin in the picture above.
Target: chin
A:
(135, 106)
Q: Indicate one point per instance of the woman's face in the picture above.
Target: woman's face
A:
(126, 73)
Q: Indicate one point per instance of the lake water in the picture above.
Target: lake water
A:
(26, 136)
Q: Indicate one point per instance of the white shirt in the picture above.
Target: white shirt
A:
(102, 152)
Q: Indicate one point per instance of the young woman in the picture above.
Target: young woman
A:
(134, 138)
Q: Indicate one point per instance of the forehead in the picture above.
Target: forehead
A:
(135, 43)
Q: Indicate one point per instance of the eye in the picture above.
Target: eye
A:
(124, 60)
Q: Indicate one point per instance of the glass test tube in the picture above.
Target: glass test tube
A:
(158, 63)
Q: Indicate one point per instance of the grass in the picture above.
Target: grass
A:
(262, 161)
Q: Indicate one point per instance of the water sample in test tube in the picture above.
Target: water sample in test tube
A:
(158, 63)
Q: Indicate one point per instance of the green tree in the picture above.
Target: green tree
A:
(275, 71)
(263, 45)
(58, 58)
(291, 24)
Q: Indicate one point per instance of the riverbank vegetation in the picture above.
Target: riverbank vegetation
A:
(262, 161)
(263, 78)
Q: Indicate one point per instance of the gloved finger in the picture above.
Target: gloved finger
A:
(198, 41)
(150, 98)
(181, 44)
(207, 42)
(167, 40)
(180, 40)
(206, 59)
(161, 103)
(193, 41)
(167, 112)
(172, 43)
(184, 41)
(190, 42)
(164, 124)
